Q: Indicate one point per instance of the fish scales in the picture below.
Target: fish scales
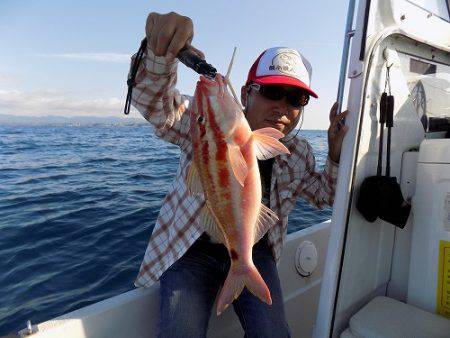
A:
(218, 171)
(225, 170)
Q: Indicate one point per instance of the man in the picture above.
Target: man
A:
(191, 266)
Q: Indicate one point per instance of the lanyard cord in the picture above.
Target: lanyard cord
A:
(131, 82)
(298, 129)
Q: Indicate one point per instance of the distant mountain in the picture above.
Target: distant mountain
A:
(72, 120)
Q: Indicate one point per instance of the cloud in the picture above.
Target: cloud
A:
(99, 57)
(41, 103)
(6, 78)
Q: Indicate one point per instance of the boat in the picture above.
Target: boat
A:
(349, 276)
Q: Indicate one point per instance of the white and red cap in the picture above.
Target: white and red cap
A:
(281, 66)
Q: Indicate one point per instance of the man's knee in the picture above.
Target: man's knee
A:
(259, 319)
(183, 315)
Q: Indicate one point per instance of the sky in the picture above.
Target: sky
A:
(71, 58)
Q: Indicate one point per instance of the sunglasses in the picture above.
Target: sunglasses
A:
(295, 97)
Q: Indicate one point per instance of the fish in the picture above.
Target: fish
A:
(224, 169)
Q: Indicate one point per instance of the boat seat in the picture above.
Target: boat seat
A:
(385, 317)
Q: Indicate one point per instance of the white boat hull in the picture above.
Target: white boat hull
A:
(134, 314)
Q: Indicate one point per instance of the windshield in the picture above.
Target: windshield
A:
(437, 7)
(429, 86)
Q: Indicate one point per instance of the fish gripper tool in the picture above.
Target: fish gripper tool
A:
(186, 55)
(189, 58)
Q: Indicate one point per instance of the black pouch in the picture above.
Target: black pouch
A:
(381, 196)
(393, 207)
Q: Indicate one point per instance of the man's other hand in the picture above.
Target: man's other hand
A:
(336, 133)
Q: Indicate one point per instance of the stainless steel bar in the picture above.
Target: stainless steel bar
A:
(345, 52)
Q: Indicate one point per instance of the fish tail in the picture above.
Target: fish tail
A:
(237, 278)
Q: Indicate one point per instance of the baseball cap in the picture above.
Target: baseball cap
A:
(281, 66)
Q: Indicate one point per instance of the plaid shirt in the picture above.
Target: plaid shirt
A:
(178, 225)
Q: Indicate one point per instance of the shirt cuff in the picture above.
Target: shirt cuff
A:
(331, 168)
(159, 65)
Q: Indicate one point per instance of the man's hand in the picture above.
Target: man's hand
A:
(336, 133)
(168, 33)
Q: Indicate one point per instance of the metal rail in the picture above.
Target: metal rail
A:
(349, 32)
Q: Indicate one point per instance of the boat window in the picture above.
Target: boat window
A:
(429, 87)
(439, 8)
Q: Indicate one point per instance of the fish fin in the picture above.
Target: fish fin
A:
(237, 278)
(238, 164)
(266, 219)
(193, 180)
(269, 131)
(210, 224)
(267, 144)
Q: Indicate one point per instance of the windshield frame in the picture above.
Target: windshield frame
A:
(446, 3)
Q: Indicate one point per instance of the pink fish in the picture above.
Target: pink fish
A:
(225, 170)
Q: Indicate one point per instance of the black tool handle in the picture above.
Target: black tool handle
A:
(192, 60)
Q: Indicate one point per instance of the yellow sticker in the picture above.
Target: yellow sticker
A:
(443, 290)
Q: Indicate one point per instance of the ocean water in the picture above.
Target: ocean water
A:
(77, 206)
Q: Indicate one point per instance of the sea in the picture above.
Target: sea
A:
(77, 207)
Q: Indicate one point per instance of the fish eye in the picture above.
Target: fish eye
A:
(200, 119)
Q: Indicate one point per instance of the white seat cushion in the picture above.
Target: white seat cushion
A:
(385, 317)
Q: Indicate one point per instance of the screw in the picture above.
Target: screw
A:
(29, 327)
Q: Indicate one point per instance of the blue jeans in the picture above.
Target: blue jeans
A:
(189, 288)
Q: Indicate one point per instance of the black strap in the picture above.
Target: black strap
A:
(389, 121)
(383, 105)
(185, 55)
(386, 116)
(131, 81)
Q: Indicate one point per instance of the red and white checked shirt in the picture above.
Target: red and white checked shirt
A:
(178, 224)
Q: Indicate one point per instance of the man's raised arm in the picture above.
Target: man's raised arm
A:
(154, 94)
